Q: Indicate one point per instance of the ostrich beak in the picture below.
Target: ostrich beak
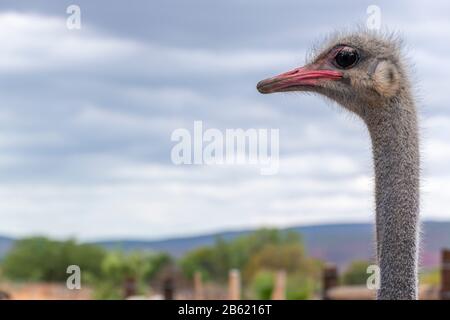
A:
(296, 80)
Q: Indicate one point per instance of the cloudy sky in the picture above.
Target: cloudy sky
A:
(86, 116)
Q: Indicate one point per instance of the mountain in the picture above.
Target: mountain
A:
(335, 243)
(5, 245)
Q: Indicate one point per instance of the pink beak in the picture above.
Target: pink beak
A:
(299, 77)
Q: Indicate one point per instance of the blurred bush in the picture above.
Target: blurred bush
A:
(356, 273)
(262, 285)
(258, 256)
(300, 286)
(118, 267)
(42, 259)
(431, 277)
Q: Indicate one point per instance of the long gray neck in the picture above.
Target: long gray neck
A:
(394, 133)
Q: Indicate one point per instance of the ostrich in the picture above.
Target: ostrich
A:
(365, 74)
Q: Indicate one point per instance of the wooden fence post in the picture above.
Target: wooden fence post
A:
(279, 289)
(234, 285)
(4, 295)
(198, 286)
(129, 287)
(445, 274)
(330, 279)
(169, 289)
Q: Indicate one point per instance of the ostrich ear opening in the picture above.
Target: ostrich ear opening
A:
(386, 79)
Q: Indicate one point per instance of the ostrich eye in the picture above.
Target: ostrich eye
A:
(346, 58)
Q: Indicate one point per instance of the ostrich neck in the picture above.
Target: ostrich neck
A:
(393, 129)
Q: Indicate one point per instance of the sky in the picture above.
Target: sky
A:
(86, 116)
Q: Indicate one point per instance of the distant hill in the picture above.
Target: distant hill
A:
(5, 245)
(336, 243)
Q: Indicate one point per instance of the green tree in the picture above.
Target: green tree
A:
(258, 255)
(156, 262)
(200, 260)
(288, 257)
(217, 260)
(42, 259)
(117, 267)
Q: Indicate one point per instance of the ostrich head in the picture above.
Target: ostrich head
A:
(364, 73)
(360, 71)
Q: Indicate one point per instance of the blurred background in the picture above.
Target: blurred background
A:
(86, 177)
